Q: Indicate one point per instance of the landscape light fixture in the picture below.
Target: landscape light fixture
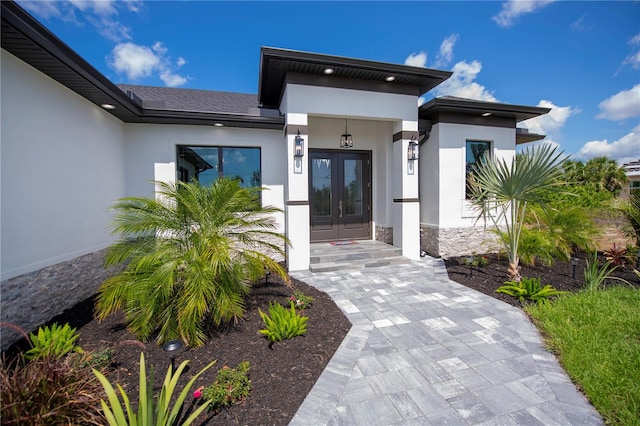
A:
(346, 140)
(412, 150)
(298, 146)
(171, 348)
(574, 263)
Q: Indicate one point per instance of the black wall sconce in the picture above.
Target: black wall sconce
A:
(298, 146)
(412, 150)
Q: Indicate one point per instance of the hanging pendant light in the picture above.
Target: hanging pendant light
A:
(346, 140)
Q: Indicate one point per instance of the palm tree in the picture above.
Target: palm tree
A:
(190, 255)
(502, 192)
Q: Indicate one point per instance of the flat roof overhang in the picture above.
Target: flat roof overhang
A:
(276, 63)
(24, 37)
(450, 104)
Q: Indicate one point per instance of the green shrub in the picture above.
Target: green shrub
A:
(535, 247)
(48, 391)
(150, 412)
(529, 289)
(54, 342)
(99, 359)
(595, 276)
(190, 256)
(301, 300)
(231, 385)
(475, 260)
(283, 323)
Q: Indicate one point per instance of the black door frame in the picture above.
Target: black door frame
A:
(333, 228)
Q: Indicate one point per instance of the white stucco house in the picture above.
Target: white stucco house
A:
(73, 142)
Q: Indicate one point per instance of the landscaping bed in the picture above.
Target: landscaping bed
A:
(281, 374)
(486, 279)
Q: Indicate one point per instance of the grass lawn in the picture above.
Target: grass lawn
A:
(596, 335)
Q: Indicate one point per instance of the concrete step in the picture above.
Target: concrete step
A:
(362, 254)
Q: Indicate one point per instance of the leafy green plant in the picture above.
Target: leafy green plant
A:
(98, 359)
(529, 289)
(475, 260)
(191, 256)
(301, 300)
(595, 276)
(283, 324)
(231, 385)
(501, 192)
(48, 391)
(53, 342)
(150, 411)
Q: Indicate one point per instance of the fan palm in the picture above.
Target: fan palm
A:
(502, 192)
(190, 255)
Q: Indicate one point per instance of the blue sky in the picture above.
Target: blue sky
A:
(582, 59)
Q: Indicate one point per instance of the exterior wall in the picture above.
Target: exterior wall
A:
(442, 185)
(151, 151)
(61, 170)
(448, 242)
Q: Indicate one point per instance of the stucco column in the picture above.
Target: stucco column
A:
(406, 204)
(297, 195)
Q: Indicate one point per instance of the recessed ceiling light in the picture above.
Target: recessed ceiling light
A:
(108, 106)
(218, 124)
(390, 78)
(486, 114)
(328, 70)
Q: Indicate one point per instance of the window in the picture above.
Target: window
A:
(209, 163)
(634, 185)
(475, 151)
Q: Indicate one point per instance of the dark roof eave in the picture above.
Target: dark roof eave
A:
(207, 118)
(429, 78)
(470, 106)
(522, 138)
(36, 43)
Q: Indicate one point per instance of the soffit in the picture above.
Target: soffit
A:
(275, 64)
(454, 105)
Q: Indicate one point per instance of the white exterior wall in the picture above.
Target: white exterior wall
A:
(151, 151)
(442, 162)
(61, 168)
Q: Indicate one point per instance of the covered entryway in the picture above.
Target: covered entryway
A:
(340, 195)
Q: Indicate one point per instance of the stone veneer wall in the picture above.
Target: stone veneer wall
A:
(448, 242)
(384, 234)
(33, 299)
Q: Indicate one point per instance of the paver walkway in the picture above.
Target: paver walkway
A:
(424, 350)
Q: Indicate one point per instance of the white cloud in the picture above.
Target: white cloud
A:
(552, 122)
(102, 14)
(445, 55)
(181, 61)
(622, 105)
(138, 62)
(513, 9)
(462, 84)
(421, 101)
(417, 59)
(633, 59)
(133, 60)
(624, 150)
(43, 9)
(172, 80)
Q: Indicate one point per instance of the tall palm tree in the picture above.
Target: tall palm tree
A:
(190, 255)
(501, 192)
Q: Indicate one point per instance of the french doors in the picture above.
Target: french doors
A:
(340, 195)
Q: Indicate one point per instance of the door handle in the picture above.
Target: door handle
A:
(340, 208)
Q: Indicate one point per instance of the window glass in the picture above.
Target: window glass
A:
(475, 151)
(209, 163)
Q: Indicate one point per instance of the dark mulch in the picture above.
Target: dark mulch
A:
(487, 279)
(281, 375)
